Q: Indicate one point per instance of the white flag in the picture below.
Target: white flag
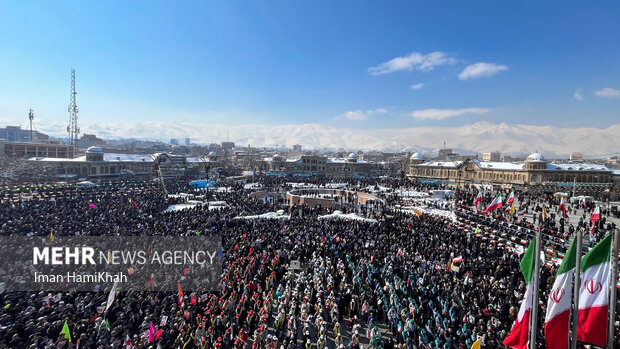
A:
(111, 296)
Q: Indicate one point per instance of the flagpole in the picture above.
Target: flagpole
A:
(577, 278)
(613, 285)
(534, 319)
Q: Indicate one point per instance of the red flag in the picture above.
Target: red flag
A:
(495, 204)
(511, 198)
(596, 215)
(180, 295)
(478, 202)
(151, 332)
(563, 208)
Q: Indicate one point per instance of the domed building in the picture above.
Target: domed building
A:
(587, 178)
(352, 157)
(416, 158)
(535, 157)
(535, 161)
(94, 154)
(212, 155)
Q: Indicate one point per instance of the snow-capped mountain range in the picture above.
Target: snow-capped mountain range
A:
(478, 137)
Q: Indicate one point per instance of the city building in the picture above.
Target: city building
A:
(97, 165)
(445, 154)
(535, 171)
(297, 147)
(17, 134)
(374, 156)
(349, 166)
(50, 149)
(187, 142)
(174, 141)
(576, 156)
(228, 147)
(492, 156)
(90, 140)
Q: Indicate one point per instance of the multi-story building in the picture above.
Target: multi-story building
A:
(16, 134)
(576, 156)
(50, 149)
(535, 171)
(446, 154)
(492, 156)
(96, 164)
(90, 140)
(228, 148)
(319, 165)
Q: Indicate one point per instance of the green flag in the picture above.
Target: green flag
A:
(65, 331)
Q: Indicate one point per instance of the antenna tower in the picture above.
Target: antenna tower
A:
(73, 128)
(31, 118)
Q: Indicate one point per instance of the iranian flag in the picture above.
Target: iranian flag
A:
(562, 209)
(518, 336)
(495, 204)
(511, 198)
(478, 202)
(596, 215)
(180, 295)
(522, 212)
(594, 294)
(557, 318)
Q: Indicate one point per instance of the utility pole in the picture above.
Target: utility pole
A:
(73, 128)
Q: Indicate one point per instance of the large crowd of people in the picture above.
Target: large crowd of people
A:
(288, 283)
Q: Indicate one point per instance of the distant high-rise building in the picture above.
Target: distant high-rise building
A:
(445, 154)
(576, 156)
(508, 158)
(297, 147)
(174, 141)
(187, 141)
(492, 156)
(228, 145)
(90, 140)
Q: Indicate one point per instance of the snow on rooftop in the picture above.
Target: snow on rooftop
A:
(577, 167)
(499, 165)
(441, 163)
(345, 160)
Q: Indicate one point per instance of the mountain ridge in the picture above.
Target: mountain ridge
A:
(482, 136)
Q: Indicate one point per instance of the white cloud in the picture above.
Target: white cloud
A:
(481, 69)
(414, 60)
(608, 92)
(577, 95)
(440, 114)
(417, 86)
(360, 114)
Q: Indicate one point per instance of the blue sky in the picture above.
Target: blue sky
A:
(326, 62)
